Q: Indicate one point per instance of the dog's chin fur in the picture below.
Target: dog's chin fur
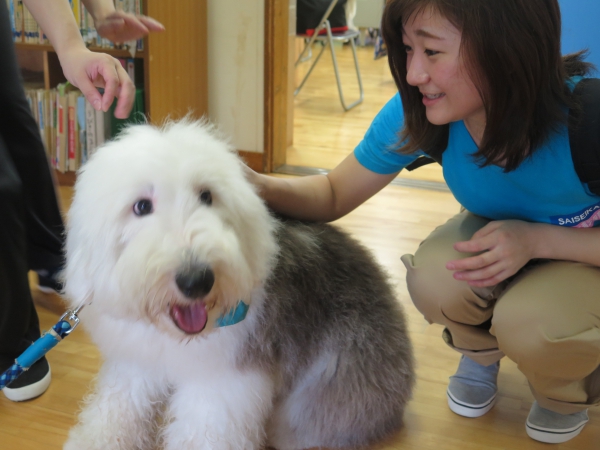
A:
(322, 359)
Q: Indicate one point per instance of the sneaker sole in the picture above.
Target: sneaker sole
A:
(28, 392)
(553, 436)
(467, 409)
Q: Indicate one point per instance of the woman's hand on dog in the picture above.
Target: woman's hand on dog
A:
(504, 247)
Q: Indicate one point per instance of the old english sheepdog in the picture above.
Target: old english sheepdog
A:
(220, 325)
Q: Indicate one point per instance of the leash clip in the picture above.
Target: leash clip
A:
(72, 318)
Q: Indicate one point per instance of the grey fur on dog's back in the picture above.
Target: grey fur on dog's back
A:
(334, 335)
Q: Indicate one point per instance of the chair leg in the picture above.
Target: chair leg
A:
(337, 74)
(323, 46)
(306, 53)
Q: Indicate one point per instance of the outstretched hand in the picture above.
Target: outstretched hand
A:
(506, 247)
(88, 71)
(120, 26)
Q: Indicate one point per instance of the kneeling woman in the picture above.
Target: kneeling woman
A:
(484, 83)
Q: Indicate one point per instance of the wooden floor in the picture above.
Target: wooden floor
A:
(324, 134)
(390, 224)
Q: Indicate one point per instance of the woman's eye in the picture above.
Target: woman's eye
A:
(431, 52)
(407, 48)
(142, 207)
(206, 197)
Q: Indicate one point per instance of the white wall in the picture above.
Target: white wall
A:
(236, 70)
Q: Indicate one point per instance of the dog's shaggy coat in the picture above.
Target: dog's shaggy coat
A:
(165, 235)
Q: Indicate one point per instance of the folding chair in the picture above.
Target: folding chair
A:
(328, 40)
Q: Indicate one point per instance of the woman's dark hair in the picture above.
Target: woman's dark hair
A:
(512, 52)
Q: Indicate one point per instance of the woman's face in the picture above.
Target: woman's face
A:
(435, 66)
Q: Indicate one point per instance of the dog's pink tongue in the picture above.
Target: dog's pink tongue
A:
(191, 319)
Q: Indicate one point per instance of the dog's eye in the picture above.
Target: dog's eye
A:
(206, 197)
(142, 207)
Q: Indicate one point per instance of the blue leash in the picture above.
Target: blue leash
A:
(67, 323)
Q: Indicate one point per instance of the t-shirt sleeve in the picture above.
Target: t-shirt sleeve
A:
(377, 151)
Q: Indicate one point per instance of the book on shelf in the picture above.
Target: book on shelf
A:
(70, 127)
(100, 128)
(61, 156)
(73, 148)
(82, 129)
(15, 11)
(49, 112)
(90, 130)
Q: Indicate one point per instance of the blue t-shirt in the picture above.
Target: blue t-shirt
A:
(544, 188)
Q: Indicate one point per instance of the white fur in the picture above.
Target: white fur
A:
(323, 358)
(158, 384)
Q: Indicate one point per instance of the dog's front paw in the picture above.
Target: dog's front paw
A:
(80, 440)
(79, 444)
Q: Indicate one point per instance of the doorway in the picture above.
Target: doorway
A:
(311, 133)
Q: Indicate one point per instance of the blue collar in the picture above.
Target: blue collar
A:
(233, 316)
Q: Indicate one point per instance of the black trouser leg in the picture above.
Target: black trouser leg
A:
(44, 226)
(31, 227)
(18, 318)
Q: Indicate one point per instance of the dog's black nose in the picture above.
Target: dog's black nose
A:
(196, 281)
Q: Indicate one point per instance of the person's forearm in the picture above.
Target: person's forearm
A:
(58, 23)
(305, 198)
(323, 198)
(99, 8)
(570, 244)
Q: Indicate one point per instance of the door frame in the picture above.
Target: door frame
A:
(278, 82)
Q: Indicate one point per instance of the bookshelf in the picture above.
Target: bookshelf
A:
(174, 63)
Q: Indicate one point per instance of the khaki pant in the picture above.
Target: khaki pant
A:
(546, 318)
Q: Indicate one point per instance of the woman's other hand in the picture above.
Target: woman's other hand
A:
(503, 248)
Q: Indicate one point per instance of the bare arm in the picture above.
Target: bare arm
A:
(322, 197)
(83, 68)
(57, 21)
(570, 244)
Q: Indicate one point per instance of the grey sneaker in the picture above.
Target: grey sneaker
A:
(472, 389)
(553, 428)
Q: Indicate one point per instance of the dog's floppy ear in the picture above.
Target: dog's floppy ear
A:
(78, 274)
(87, 240)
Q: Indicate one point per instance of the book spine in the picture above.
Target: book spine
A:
(130, 67)
(59, 132)
(40, 116)
(139, 9)
(62, 144)
(48, 123)
(18, 18)
(82, 128)
(90, 128)
(100, 135)
(71, 133)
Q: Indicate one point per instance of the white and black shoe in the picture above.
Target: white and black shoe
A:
(49, 281)
(31, 384)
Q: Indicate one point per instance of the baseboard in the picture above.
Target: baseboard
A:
(254, 160)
